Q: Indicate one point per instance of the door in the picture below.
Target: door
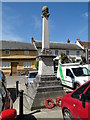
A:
(13, 68)
(83, 108)
(69, 78)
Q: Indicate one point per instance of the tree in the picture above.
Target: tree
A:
(83, 59)
(64, 58)
(37, 64)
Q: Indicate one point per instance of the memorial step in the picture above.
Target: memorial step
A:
(47, 78)
(49, 83)
(49, 88)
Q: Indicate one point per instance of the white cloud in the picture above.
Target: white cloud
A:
(9, 24)
(85, 14)
(37, 22)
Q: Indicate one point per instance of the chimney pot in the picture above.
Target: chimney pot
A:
(68, 41)
(32, 40)
(77, 39)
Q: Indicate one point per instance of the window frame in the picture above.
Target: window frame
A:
(56, 52)
(77, 52)
(26, 52)
(27, 64)
(7, 65)
(7, 52)
(72, 76)
(67, 52)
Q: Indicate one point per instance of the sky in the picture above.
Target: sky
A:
(22, 20)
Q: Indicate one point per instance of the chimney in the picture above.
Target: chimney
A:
(77, 39)
(32, 40)
(68, 41)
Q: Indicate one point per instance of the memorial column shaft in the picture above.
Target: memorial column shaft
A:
(45, 34)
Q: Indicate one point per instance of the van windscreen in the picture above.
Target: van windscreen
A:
(81, 71)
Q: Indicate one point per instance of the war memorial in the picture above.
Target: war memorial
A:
(46, 84)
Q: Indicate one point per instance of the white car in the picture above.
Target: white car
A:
(31, 77)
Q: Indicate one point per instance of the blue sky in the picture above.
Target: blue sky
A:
(22, 20)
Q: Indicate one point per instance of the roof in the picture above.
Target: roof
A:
(85, 44)
(14, 45)
(59, 45)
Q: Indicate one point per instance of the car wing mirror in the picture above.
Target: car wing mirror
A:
(9, 114)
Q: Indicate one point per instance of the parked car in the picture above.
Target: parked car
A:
(72, 74)
(31, 77)
(76, 105)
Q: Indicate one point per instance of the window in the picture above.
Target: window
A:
(68, 73)
(56, 52)
(6, 65)
(32, 75)
(89, 53)
(78, 53)
(7, 52)
(81, 71)
(67, 52)
(80, 91)
(26, 52)
(27, 64)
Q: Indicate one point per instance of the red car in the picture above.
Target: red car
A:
(76, 105)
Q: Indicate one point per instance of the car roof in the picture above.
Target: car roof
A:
(32, 71)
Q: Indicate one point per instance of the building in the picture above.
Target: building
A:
(17, 57)
(72, 50)
(85, 46)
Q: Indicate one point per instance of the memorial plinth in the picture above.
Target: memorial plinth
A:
(46, 84)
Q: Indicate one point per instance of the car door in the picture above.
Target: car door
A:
(83, 106)
(69, 78)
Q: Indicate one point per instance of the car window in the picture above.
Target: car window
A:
(87, 95)
(81, 71)
(68, 73)
(32, 75)
(79, 91)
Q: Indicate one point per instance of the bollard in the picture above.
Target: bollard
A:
(17, 82)
(21, 103)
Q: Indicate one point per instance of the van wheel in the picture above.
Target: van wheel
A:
(77, 85)
(67, 115)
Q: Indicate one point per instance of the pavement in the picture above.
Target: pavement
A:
(40, 114)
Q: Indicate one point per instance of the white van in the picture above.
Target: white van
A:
(72, 74)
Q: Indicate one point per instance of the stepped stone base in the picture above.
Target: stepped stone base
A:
(46, 87)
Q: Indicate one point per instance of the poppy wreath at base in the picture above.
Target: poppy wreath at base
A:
(49, 103)
(58, 101)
